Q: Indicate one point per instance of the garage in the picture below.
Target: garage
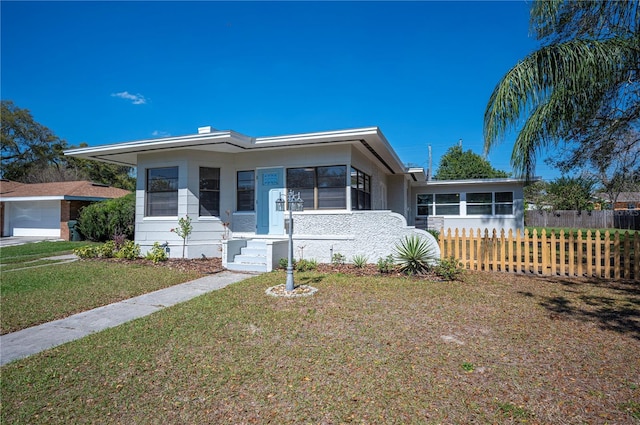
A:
(45, 209)
(33, 218)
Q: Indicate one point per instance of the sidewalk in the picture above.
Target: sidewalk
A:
(33, 340)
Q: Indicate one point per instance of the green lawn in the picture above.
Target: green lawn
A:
(40, 294)
(34, 251)
(497, 348)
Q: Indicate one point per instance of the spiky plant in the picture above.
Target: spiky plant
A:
(415, 255)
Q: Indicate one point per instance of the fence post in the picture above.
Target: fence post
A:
(535, 252)
(636, 256)
(552, 253)
(502, 251)
(544, 253)
(598, 247)
(607, 254)
(572, 257)
(580, 250)
(627, 255)
(589, 256)
(563, 254)
(463, 249)
(616, 255)
(519, 266)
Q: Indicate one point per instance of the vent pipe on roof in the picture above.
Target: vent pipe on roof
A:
(206, 129)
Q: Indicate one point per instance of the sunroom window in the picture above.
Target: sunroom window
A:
(320, 187)
(360, 190)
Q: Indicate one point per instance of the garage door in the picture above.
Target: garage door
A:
(33, 218)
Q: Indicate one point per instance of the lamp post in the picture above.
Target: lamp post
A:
(294, 203)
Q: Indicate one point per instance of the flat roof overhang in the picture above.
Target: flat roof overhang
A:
(368, 140)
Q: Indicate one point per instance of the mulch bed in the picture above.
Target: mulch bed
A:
(201, 265)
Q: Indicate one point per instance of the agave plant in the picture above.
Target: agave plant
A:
(415, 255)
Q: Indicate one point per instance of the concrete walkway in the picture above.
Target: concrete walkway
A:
(33, 340)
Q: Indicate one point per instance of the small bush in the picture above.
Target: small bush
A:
(107, 249)
(306, 265)
(449, 268)
(338, 259)
(435, 233)
(415, 255)
(157, 253)
(385, 265)
(129, 250)
(88, 251)
(284, 262)
(359, 261)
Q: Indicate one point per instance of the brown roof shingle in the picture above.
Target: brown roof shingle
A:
(76, 189)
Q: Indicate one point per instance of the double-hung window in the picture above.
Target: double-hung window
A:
(504, 203)
(447, 203)
(425, 204)
(319, 187)
(245, 191)
(480, 203)
(161, 192)
(209, 192)
(360, 190)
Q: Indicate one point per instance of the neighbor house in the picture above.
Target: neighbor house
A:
(359, 198)
(45, 209)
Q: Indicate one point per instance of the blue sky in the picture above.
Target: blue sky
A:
(107, 72)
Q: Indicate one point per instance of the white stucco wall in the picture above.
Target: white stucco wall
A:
(370, 233)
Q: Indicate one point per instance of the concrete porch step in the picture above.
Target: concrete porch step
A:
(252, 258)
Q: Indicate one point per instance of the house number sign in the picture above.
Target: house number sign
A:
(270, 179)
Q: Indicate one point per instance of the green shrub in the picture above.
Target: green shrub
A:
(129, 250)
(359, 261)
(157, 253)
(101, 221)
(449, 268)
(385, 265)
(87, 251)
(415, 255)
(107, 249)
(306, 265)
(435, 233)
(284, 262)
(338, 259)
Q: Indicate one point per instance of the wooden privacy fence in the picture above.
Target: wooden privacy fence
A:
(572, 253)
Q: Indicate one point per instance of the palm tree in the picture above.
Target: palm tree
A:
(582, 85)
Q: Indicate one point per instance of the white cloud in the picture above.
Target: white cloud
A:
(136, 99)
(158, 133)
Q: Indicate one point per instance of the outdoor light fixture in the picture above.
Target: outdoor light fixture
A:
(295, 203)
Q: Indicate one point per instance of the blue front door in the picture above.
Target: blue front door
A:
(270, 186)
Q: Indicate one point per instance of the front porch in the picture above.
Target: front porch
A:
(319, 236)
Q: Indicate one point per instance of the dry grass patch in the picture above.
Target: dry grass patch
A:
(376, 350)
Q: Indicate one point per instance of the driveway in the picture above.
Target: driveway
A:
(21, 240)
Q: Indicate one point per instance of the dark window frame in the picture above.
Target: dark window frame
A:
(360, 190)
(161, 189)
(246, 191)
(209, 193)
(317, 189)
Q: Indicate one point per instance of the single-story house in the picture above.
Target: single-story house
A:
(624, 201)
(359, 198)
(45, 209)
